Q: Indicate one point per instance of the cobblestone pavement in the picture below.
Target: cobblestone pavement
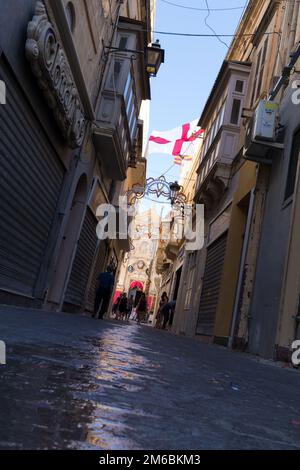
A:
(73, 382)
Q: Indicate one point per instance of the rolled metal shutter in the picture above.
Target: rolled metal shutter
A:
(31, 180)
(100, 266)
(211, 286)
(83, 261)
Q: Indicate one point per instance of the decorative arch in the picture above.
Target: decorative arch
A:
(137, 285)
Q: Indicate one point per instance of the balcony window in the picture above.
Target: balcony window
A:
(205, 146)
(217, 150)
(127, 86)
(201, 176)
(239, 86)
(129, 101)
(115, 74)
(222, 114)
(130, 115)
(130, 106)
(235, 112)
(123, 42)
(206, 168)
(214, 127)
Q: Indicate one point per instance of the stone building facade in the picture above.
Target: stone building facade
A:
(138, 273)
(246, 288)
(69, 131)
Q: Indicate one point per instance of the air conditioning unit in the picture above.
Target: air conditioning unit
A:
(261, 133)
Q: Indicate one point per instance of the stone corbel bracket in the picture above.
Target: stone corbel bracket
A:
(50, 65)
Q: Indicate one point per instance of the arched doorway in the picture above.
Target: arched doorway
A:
(68, 245)
(136, 289)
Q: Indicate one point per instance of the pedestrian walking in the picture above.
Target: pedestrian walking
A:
(123, 305)
(167, 313)
(159, 317)
(116, 306)
(130, 305)
(106, 281)
(141, 309)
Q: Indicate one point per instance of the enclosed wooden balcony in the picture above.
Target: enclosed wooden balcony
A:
(222, 120)
(111, 136)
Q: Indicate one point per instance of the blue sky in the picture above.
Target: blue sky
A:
(183, 84)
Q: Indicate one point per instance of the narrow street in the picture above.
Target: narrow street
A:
(75, 383)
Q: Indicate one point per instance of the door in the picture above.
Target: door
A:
(100, 266)
(82, 264)
(211, 286)
(31, 182)
(177, 283)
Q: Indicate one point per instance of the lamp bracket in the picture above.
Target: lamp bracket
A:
(110, 50)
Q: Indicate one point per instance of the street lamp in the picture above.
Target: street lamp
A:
(175, 189)
(155, 57)
(160, 188)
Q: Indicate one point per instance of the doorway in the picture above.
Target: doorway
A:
(68, 244)
(177, 283)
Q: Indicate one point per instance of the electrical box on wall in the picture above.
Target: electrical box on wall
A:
(261, 133)
(264, 124)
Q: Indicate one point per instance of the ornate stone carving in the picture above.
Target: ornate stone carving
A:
(50, 65)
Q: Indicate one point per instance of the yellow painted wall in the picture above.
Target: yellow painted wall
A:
(247, 181)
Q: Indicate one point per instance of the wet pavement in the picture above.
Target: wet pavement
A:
(75, 383)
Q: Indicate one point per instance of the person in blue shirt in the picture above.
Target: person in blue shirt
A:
(168, 313)
(106, 282)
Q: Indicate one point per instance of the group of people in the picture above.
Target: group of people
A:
(165, 314)
(123, 308)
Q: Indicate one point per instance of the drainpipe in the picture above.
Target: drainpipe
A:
(297, 38)
(286, 24)
(241, 270)
(293, 27)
